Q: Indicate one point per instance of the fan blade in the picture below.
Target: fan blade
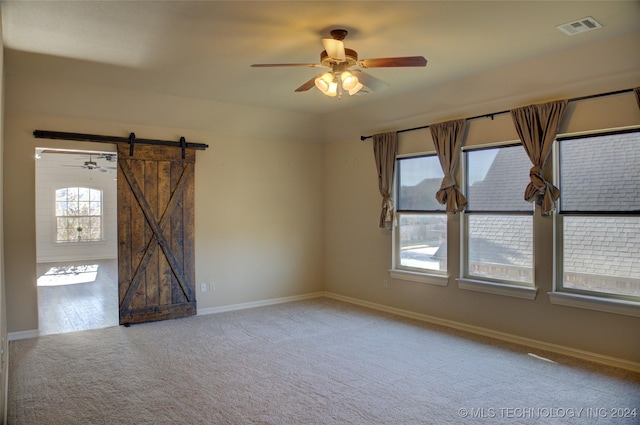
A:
(334, 48)
(271, 65)
(308, 85)
(370, 81)
(393, 62)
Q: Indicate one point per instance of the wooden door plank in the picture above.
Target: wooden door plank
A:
(177, 243)
(164, 196)
(124, 235)
(138, 224)
(188, 220)
(152, 290)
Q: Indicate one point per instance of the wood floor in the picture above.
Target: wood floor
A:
(77, 296)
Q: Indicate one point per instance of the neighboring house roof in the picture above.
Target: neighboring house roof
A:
(590, 248)
(497, 240)
(603, 188)
(421, 197)
(509, 172)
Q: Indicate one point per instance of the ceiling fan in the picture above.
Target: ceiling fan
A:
(341, 77)
(92, 165)
(109, 157)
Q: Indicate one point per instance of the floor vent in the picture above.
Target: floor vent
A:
(579, 26)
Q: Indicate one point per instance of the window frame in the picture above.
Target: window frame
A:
(576, 297)
(490, 285)
(56, 216)
(398, 271)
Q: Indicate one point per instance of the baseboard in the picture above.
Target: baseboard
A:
(261, 303)
(13, 336)
(541, 345)
(74, 259)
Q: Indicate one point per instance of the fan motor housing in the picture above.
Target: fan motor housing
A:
(351, 57)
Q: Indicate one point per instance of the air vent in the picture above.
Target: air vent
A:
(579, 26)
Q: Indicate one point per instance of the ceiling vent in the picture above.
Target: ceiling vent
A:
(579, 26)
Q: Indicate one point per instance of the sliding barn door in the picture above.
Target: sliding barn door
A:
(155, 233)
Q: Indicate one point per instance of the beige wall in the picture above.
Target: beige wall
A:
(4, 364)
(258, 186)
(358, 254)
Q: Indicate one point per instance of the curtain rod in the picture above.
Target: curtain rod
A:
(491, 115)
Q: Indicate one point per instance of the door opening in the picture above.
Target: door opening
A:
(76, 240)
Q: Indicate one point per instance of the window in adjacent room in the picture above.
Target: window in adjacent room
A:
(498, 223)
(598, 234)
(78, 214)
(420, 238)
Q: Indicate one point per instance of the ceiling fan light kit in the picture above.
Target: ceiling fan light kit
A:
(341, 78)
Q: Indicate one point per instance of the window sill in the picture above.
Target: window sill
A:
(628, 308)
(524, 292)
(432, 279)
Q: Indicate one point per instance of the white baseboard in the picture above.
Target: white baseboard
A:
(540, 345)
(13, 336)
(261, 303)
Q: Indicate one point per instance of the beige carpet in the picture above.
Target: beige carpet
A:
(310, 362)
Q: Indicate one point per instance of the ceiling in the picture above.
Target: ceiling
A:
(60, 163)
(204, 49)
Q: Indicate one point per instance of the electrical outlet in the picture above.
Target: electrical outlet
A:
(386, 283)
(203, 287)
(212, 286)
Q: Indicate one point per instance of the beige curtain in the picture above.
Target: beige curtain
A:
(447, 138)
(537, 126)
(637, 92)
(385, 148)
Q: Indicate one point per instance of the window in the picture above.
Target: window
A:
(498, 222)
(78, 214)
(421, 232)
(599, 215)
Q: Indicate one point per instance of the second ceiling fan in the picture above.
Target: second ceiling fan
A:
(341, 76)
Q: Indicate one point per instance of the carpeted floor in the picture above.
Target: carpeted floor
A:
(310, 362)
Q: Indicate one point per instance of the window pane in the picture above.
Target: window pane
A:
(84, 222)
(602, 254)
(62, 229)
(83, 194)
(83, 208)
(497, 179)
(423, 241)
(95, 195)
(95, 233)
(72, 193)
(500, 247)
(61, 208)
(600, 173)
(61, 195)
(94, 208)
(419, 179)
